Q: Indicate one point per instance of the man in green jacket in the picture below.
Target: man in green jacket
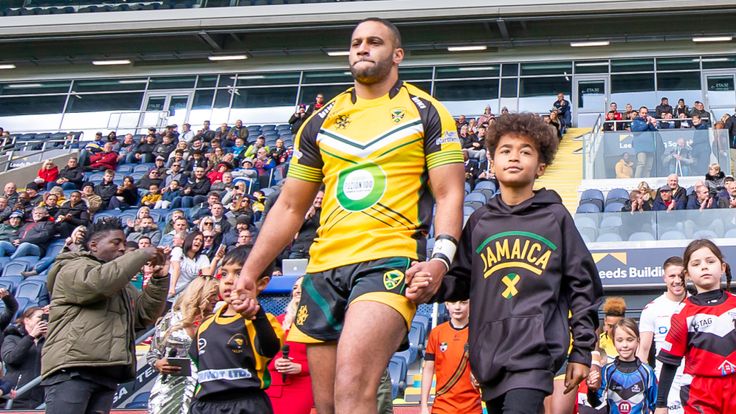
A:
(94, 314)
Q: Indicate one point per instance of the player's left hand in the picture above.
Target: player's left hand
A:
(428, 280)
(574, 375)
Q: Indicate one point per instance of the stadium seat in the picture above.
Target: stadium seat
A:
(611, 222)
(468, 210)
(609, 237)
(672, 235)
(137, 175)
(142, 168)
(585, 221)
(614, 207)
(33, 290)
(641, 236)
(588, 208)
(705, 234)
(588, 234)
(95, 177)
(23, 304)
(54, 250)
(12, 280)
(474, 196)
(617, 195)
(594, 196)
(730, 234)
(424, 320)
(397, 368)
(140, 401)
(485, 185)
(7, 284)
(124, 169)
(14, 268)
(467, 187)
(474, 204)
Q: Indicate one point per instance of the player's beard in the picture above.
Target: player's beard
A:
(372, 74)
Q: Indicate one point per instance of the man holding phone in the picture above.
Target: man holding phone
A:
(95, 311)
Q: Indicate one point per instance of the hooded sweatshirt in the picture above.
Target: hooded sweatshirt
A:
(524, 269)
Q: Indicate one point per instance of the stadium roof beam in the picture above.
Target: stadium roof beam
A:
(503, 29)
(209, 40)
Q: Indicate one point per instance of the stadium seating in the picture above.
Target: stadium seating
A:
(33, 290)
(140, 401)
(397, 369)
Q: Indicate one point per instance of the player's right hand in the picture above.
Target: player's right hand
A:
(244, 297)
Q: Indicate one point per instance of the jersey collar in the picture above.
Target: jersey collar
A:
(391, 93)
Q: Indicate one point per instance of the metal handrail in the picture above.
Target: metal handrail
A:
(5, 164)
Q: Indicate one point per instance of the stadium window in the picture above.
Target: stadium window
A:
(105, 85)
(539, 93)
(634, 88)
(467, 96)
(426, 86)
(307, 93)
(546, 68)
(261, 79)
(679, 63)
(719, 62)
(33, 87)
(32, 105)
(226, 81)
(510, 69)
(677, 85)
(100, 102)
(178, 82)
(207, 81)
(333, 76)
(457, 72)
(509, 88)
(203, 99)
(416, 73)
(591, 67)
(632, 65)
(222, 98)
(264, 97)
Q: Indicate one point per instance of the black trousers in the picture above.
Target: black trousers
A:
(252, 402)
(518, 401)
(77, 395)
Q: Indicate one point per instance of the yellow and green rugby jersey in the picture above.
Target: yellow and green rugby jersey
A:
(373, 157)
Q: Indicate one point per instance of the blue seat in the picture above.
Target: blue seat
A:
(33, 290)
(588, 208)
(641, 236)
(23, 304)
(418, 335)
(474, 204)
(609, 237)
(30, 261)
(12, 280)
(124, 169)
(143, 168)
(486, 185)
(467, 187)
(95, 177)
(397, 369)
(137, 175)
(614, 207)
(594, 196)
(468, 210)
(14, 268)
(424, 320)
(672, 235)
(7, 284)
(617, 195)
(475, 196)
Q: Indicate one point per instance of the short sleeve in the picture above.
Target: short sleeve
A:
(647, 320)
(176, 254)
(675, 344)
(431, 350)
(441, 141)
(306, 163)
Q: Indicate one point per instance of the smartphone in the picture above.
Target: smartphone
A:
(45, 317)
(183, 363)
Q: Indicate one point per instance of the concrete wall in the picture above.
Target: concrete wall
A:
(25, 174)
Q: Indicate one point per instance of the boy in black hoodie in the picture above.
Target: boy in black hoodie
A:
(525, 269)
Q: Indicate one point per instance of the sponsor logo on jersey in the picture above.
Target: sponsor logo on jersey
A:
(301, 315)
(392, 279)
(298, 154)
(515, 250)
(624, 407)
(727, 368)
(418, 102)
(201, 345)
(342, 121)
(443, 346)
(326, 110)
(636, 388)
(662, 329)
(360, 187)
(449, 137)
(397, 114)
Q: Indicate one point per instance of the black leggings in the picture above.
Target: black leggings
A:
(518, 401)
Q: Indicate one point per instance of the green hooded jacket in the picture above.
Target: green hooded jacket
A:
(95, 312)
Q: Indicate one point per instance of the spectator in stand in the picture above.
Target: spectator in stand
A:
(33, 238)
(153, 197)
(291, 386)
(263, 163)
(93, 200)
(147, 228)
(681, 109)
(175, 174)
(204, 209)
(664, 107)
(175, 215)
(196, 160)
(446, 356)
(715, 180)
(8, 311)
(34, 197)
(127, 149)
(238, 203)
(153, 177)
(253, 149)
(24, 206)
(630, 117)
(169, 194)
(21, 352)
(194, 192)
(180, 225)
(180, 154)
(225, 184)
(222, 131)
(678, 159)
(701, 145)
(156, 135)
(613, 115)
(95, 311)
(625, 167)
(679, 193)
(636, 203)
(279, 152)
(563, 110)
(308, 231)
(186, 134)
(105, 160)
(172, 391)
(644, 145)
(666, 122)
(485, 119)
(216, 174)
(91, 148)
(5, 209)
(237, 131)
(319, 102)
(72, 243)
(205, 133)
(727, 197)
(71, 176)
(165, 148)
(10, 231)
(218, 216)
(233, 236)
(460, 122)
(665, 201)
(10, 193)
(144, 151)
(699, 110)
(126, 195)
(298, 118)
(701, 199)
(48, 174)
(187, 262)
(71, 214)
(50, 203)
(215, 156)
(211, 245)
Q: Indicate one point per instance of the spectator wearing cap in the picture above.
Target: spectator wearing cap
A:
(253, 149)
(165, 148)
(173, 129)
(34, 237)
(144, 151)
(92, 199)
(665, 201)
(160, 165)
(664, 107)
(71, 176)
(247, 169)
(216, 174)
(10, 231)
(105, 160)
(5, 210)
(48, 174)
(34, 197)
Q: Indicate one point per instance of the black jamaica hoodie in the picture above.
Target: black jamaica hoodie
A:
(524, 268)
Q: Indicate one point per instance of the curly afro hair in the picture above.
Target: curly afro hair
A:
(614, 306)
(528, 125)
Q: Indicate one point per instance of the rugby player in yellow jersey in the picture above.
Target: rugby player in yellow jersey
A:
(385, 152)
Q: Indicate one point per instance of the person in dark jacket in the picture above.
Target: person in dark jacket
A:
(663, 108)
(35, 237)
(8, 312)
(71, 214)
(298, 118)
(144, 151)
(701, 146)
(106, 189)
(21, 353)
(71, 176)
(644, 128)
(9, 232)
(702, 199)
(195, 191)
(665, 201)
(94, 314)
(527, 272)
